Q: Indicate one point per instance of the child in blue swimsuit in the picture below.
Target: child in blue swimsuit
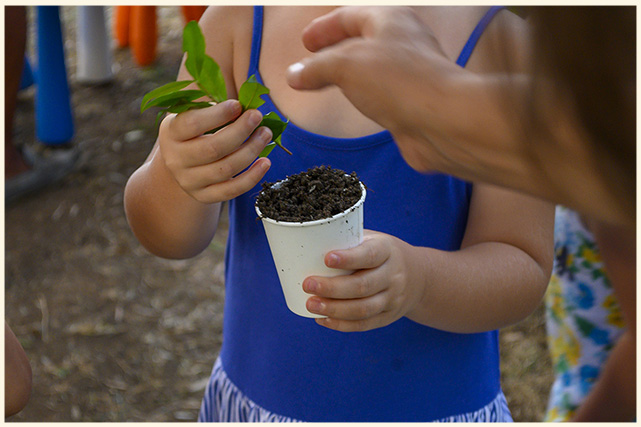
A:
(411, 335)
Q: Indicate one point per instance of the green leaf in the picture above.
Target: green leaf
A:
(277, 126)
(280, 144)
(274, 123)
(268, 149)
(159, 116)
(178, 97)
(211, 80)
(194, 46)
(163, 90)
(250, 92)
(181, 108)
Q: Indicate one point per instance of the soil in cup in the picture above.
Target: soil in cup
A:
(318, 193)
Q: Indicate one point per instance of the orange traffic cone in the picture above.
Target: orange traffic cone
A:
(144, 34)
(192, 13)
(121, 21)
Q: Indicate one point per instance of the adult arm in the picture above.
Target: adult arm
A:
(391, 67)
(446, 118)
(613, 397)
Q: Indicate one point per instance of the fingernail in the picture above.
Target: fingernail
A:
(265, 134)
(333, 260)
(255, 118)
(296, 68)
(235, 106)
(310, 286)
(265, 164)
(294, 73)
(315, 305)
(324, 321)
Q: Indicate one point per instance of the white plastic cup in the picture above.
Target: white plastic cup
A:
(299, 249)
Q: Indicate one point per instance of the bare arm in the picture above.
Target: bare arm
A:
(613, 397)
(502, 270)
(173, 200)
(17, 372)
(388, 50)
(497, 278)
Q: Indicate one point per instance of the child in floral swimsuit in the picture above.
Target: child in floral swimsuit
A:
(584, 319)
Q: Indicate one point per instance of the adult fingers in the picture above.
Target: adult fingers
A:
(363, 33)
(360, 21)
(323, 69)
(338, 25)
(192, 123)
(329, 66)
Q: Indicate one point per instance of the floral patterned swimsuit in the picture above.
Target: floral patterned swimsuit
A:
(584, 320)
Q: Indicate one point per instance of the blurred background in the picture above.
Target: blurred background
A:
(112, 332)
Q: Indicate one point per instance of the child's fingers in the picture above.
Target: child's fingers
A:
(231, 165)
(236, 186)
(352, 286)
(230, 138)
(192, 123)
(370, 254)
(362, 325)
(208, 149)
(348, 309)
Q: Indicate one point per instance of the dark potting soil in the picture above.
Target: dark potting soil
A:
(318, 193)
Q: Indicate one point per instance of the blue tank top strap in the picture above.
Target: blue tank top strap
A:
(257, 38)
(476, 35)
(464, 56)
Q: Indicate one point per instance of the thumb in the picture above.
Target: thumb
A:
(323, 69)
(322, 36)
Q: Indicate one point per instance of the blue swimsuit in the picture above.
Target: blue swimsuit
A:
(277, 366)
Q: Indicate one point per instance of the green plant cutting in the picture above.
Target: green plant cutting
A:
(174, 98)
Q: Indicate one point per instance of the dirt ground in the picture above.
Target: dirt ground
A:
(112, 332)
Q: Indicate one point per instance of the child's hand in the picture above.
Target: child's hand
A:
(376, 294)
(205, 166)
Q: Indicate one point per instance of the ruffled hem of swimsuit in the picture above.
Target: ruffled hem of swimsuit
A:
(224, 402)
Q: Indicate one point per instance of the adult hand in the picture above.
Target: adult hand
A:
(389, 64)
(470, 124)
(379, 57)
(378, 293)
(208, 166)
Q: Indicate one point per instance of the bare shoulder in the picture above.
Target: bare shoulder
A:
(228, 31)
(503, 43)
